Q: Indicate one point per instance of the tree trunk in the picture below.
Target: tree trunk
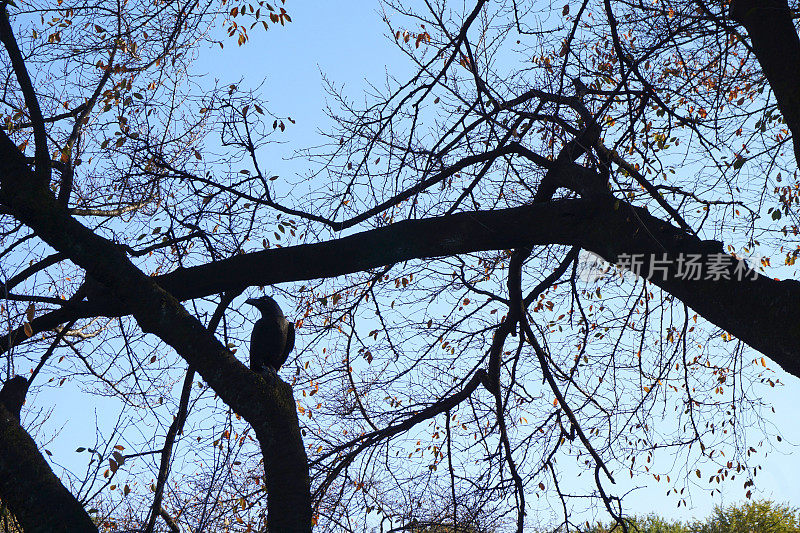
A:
(267, 405)
(31, 490)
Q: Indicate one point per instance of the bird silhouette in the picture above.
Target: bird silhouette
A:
(12, 395)
(272, 338)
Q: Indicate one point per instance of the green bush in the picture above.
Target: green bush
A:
(651, 523)
(750, 517)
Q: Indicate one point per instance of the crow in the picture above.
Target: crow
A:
(272, 338)
(12, 395)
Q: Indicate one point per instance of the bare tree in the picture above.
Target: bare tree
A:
(459, 359)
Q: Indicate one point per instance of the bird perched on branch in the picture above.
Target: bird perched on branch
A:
(12, 395)
(272, 338)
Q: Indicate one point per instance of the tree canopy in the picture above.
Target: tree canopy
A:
(762, 515)
(467, 351)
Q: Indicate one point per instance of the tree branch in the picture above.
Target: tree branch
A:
(31, 100)
(776, 45)
(266, 402)
(29, 487)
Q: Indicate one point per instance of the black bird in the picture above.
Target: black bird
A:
(12, 395)
(272, 338)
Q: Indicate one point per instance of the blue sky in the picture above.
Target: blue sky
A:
(346, 41)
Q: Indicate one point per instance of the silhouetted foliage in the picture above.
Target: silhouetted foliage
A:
(466, 352)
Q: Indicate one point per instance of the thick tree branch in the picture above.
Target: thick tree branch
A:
(29, 487)
(760, 312)
(266, 403)
(776, 45)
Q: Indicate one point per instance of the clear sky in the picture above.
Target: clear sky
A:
(346, 41)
